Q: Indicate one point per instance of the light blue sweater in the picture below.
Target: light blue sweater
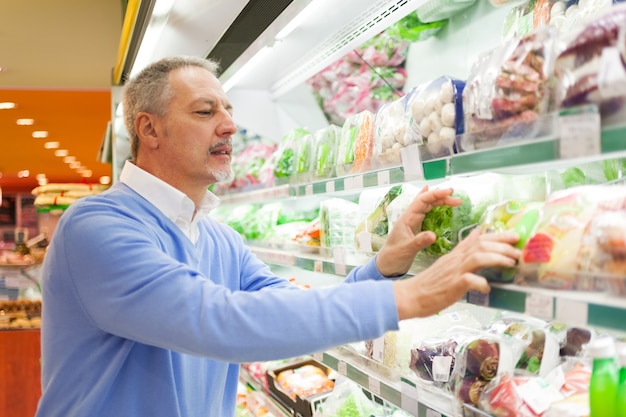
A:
(140, 322)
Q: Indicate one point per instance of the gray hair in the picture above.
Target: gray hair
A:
(149, 91)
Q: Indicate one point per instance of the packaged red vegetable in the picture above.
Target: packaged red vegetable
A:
(508, 92)
(479, 361)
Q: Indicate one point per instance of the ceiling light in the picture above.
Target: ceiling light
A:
(51, 145)
(40, 176)
(23, 174)
(61, 152)
(105, 180)
(75, 164)
(42, 181)
(246, 68)
(5, 105)
(69, 159)
(40, 134)
(86, 173)
(25, 122)
(80, 169)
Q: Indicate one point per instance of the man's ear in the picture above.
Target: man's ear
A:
(145, 126)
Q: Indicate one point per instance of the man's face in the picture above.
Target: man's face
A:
(198, 127)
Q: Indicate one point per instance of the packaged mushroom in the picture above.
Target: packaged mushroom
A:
(436, 117)
(390, 127)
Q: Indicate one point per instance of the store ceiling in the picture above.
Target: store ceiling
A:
(57, 57)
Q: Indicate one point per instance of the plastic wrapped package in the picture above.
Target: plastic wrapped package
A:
(390, 127)
(540, 354)
(325, 151)
(338, 219)
(304, 157)
(591, 68)
(412, 29)
(578, 241)
(479, 360)
(515, 215)
(435, 10)
(371, 233)
(568, 17)
(436, 117)
(508, 93)
(356, 143)
(286, 161)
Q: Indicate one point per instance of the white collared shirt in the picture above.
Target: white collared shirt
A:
(171, 202)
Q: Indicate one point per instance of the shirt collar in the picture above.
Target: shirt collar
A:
(170, 201)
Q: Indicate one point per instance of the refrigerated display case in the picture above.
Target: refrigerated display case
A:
(273, 70)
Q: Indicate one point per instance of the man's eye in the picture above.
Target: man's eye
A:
(204, 112)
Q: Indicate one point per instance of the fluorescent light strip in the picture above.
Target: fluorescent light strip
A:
(25, 122)
(247, 67)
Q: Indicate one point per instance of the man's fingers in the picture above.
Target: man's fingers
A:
(424, 239)
(477, 283)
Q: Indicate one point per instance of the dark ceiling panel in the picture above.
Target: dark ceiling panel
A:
(248, 26)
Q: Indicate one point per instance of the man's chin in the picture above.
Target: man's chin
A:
(224, 176)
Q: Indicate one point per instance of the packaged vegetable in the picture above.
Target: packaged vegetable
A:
(356, 143)
(286, 161)
(591, 68)
(478, 361)
(338, 219)
(325, 151)
(508, 92)
(371, 233)
(578, 241)
(436, 117)
(435, 10)
(390, 127)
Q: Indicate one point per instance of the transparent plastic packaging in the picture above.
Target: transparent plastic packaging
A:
(434, 10)
(356, 143)
(436, 117)
(508, 92)
(325, 151)
(591, 68)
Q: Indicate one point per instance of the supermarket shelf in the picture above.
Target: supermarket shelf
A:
(338, 263)
(413, 396)
(539, 153)
(576, 308)
(595, 309)
(272, 406)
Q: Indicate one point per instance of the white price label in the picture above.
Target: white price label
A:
(330, 186)
(342, 368)
(579, 135)
(319, 356)
(378, 349)
(339, 258)
(383, 177)
(539, 305)
(572, 312)
(409, 404)
(308, 189)
(441, 368)
(353, 183)
(412, 163)
(318, 266)
(432, 413)
(374, 386)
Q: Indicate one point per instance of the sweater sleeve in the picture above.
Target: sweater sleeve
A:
(129, 287)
